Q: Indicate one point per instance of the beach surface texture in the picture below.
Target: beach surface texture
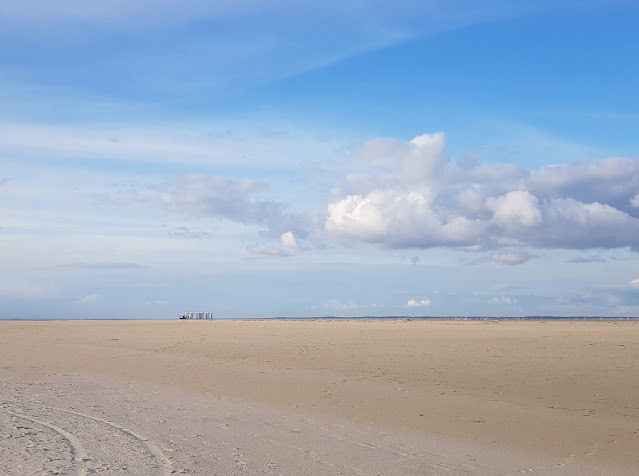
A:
(319, 397)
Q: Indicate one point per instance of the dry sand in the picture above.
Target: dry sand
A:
(319, 397)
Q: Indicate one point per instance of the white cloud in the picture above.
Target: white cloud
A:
(634, 201)
(416, 303)
(89, 299)
(288, 241)
(634, 283)
(503, 300)
(510, 259)
(425, 157)
(419, 199)
(398, 218)
(515, 210)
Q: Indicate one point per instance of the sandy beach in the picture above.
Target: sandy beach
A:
(319, 397)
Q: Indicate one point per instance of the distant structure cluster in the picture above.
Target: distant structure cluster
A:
(197, 315)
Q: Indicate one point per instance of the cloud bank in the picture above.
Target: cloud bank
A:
(413, 196)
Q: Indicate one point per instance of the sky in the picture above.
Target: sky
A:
(304, 158)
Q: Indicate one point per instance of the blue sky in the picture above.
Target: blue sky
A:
(318, 158)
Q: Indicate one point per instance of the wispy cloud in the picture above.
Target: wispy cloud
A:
(101, 266)
(201, 143)
(221, 47)
(185, 232)
(585, 259)
(236, 200)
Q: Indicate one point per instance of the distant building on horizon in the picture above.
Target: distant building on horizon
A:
(197, 315)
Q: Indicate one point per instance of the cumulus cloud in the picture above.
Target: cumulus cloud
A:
(288, 241)
(410, 194)
(398, 218)
(515, 210)
(425, 157)
(510, 259)
(395, 205)
(416, 303)
(634, 283)
(414, 196)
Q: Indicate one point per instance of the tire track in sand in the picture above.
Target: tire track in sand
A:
(151, 447)
(97, 445)
(78, 454)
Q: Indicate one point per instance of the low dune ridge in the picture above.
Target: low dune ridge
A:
(319, 397)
